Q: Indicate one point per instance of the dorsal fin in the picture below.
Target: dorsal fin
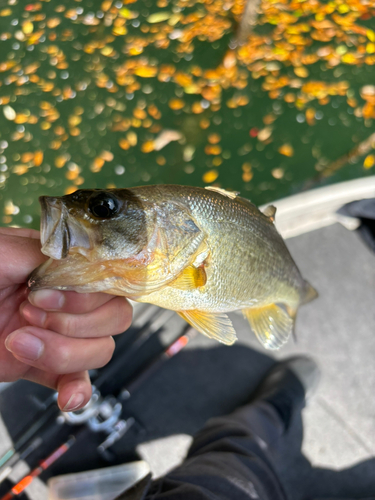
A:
(270, 212)
(224, 192)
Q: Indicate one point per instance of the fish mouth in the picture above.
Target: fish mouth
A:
(60, 232)
(35, 281)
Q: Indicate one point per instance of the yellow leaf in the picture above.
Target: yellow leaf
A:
(145, 71)
(158, 17)
(119, 30)
(369, 161)
(286, 150)
(38, 158)
(132, 138)
(148, 146)
(349, 58)
(20, 169)
(27, 27)
(301, 71)
(106, 5)
(125, 13)
(212, 150)
(176, 103)
(210, 176)
(124, 144)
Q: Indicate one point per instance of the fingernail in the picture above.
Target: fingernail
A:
(49, 300)
(74, 402)
(24, 345)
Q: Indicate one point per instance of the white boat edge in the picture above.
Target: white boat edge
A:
(314, 209)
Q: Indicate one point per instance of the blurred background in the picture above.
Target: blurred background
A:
(268, 98)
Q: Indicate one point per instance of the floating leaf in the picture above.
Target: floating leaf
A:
(214, 138)
(210, 176)
(119, 30)
(176, 104)
(265, 134)
(212, 150)
(9, 113)
(27, 27)
(148, 146)
(286, 150)
(146, 71)
(158, 17)
(38, 158)
(124, 144)
(369, 161)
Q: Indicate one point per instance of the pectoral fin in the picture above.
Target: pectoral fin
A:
(271, 324)
(190, 278)
(214, 325)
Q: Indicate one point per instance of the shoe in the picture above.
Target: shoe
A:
(288, 385)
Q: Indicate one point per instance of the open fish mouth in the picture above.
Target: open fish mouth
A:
(59, 231)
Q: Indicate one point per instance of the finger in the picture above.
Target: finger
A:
(74, 391)
(19, 257)
(20, 231)
(74, 388)
(55, 353)
(112, 318)
(69, 302)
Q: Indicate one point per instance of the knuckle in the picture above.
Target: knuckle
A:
(62, 361)
(62, 323)
(69, 325)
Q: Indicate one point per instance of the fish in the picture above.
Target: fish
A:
(202, 252)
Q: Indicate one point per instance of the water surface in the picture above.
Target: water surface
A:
(104, 94)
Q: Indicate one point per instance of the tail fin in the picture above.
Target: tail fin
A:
(308, 293)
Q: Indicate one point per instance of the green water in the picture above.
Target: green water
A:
(84, 111)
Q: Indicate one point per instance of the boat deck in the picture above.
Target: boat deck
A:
(337, 330)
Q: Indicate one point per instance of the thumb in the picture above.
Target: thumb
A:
(19, 256)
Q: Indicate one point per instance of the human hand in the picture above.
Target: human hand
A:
(52, 337)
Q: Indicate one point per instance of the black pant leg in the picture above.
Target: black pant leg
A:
(230, 459)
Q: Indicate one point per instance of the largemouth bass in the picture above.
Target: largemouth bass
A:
(200, 252)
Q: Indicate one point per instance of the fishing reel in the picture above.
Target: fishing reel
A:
(101, 415)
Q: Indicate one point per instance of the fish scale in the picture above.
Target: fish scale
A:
(274, 264)
(200, 252)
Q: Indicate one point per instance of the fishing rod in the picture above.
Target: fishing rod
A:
(104, 414)
(45, 434)
(18, 488)
(172, 349)
(49, 411)
(20, 456)
(151, 328)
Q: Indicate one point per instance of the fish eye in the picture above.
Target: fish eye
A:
(103, 205)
